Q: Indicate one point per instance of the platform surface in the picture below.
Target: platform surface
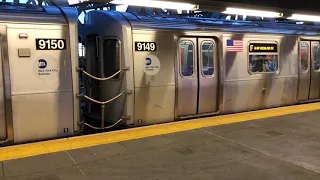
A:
(277, 148)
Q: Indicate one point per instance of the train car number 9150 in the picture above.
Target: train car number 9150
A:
(145, 46)
(51, 44)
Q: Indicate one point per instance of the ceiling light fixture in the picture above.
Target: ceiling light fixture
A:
(302, 17)
(157, 4)
(250, 12)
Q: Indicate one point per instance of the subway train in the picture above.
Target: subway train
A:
(148, 69)
(39, 82)
(141, 69)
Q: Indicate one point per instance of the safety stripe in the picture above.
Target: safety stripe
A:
(51, 146)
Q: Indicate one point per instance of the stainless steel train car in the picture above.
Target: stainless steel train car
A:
(39, 82)
(144, 70)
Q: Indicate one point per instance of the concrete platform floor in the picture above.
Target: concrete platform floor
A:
(278, 148)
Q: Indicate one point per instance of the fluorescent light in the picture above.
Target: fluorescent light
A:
(249, 12)
(121, 8)
(71, 2)
(302, 17)
(157, 4)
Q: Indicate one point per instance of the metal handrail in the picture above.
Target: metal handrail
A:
(100, 79)
(103, 107)
(99, 102)
(105, 102)
(108, 127)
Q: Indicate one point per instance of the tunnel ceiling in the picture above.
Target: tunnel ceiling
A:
(296, 5)
(306, 6)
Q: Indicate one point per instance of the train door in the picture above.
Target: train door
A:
(197, 77)
(309, 79)
(5, 90)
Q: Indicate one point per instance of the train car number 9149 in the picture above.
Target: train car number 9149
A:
(145, 46)
(51, 44)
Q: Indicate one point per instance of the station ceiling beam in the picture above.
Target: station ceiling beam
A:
(286, 7)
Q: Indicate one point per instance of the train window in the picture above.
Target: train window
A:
(111, 57)
(186, 58)
(316, 57)
(263, 58)
(207, 58)
(304, 56)
(263, 63)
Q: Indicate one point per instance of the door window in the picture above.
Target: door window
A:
(207, 58)
(186, 58)
(304, 56)
(111, 57)
(316, 57)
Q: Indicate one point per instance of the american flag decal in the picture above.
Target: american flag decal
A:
(234, 45)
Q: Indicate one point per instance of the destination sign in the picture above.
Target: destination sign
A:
(263, 47)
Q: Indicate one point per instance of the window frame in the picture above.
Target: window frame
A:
(318, 44)
(102, 57)
(264, 53)
(214, 56)
(193, 58)
(308, 59)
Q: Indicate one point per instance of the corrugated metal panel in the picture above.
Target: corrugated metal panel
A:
(185, 23)
(31, 14)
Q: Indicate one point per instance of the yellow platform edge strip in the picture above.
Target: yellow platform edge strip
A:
(51, 146)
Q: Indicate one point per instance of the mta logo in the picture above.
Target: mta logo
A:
(42, 63)
(148, 61)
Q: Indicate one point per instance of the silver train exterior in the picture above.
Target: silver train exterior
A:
(39, 83)
(184, 67)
